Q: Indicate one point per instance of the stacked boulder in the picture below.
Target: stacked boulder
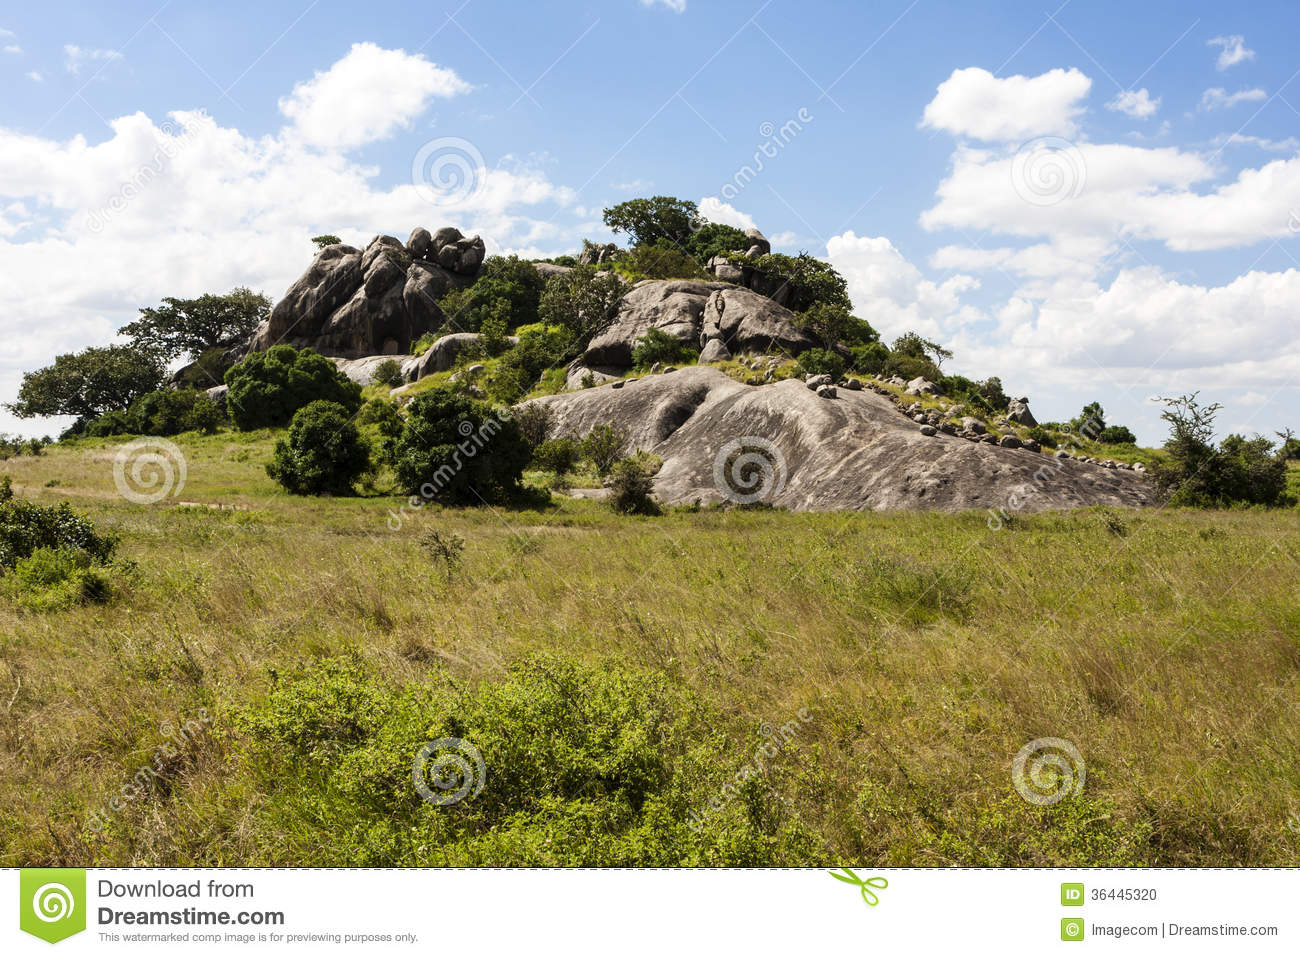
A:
(377, 301)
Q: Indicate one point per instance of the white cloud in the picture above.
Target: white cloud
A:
(1288, 145)
(75, 57)
(973, 102)
(5, 34)
(35, 77)
(1123, 191)
(890, 292)
(1232, 51)
(13, 48)
(1217, 98)
(1135, 103)
(366, 96)
(184, 206)
(678, 6)
(716, 211)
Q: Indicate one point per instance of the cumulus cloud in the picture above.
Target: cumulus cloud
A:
(13, 48)
(75, 57)
(1135, 103)
(973, 102)
(1232, 51)
(337, 108)
(716, 211)
(1217, 98)
(90, 231)
(677, 6)
(1123, 191)
(891, 293)
(35, 77)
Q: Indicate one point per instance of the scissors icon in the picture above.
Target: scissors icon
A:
(868, 895)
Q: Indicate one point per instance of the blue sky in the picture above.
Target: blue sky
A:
(1091, 200)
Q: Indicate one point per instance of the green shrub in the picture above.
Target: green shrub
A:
(821, 362)
(26, 527)
(657, 346)
(389, 373)
(267, 388)
(806, 279)
(1045, 436)
(521, 366)
(51, 579)
(661, 260)
(323, 453)
(716, 239)
(868, 359)
(581, 765)
(603, 446)
(583, 302)
(534, 421)
(558, 455)
(1117, 435)
(508, 289)
(1196, 473)
(456, 449)
(631, 488)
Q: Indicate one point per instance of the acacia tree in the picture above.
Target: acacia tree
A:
(653, 219)
(189, 327)
(89, 383)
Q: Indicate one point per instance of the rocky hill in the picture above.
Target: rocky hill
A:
(788, 445)
(808, 445)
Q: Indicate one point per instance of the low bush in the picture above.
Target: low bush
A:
(267, 388)
(559, 763)
(1117, 435)
(558, 455)
(631, 488)
(26, 527)
(603, 446)
(389, 373)
(657, 346)
(51, 579)
(821, 362)
(324, 453)
(456, 449)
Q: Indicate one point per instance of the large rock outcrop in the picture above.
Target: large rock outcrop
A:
(352, 303)
(696, 313)
(720, 440)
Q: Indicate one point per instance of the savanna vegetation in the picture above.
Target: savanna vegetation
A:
(619, 672)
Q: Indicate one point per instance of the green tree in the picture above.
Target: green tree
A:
(653, 219)
(504, 279)
(833, 324)
(659, 260)
(1091, 421)
(716, 239)
(583, 302)
(326, 239)
(89, 383)
(631, 488)
(267, 388)
(911, 344)
(455, 449)
(186, 328)
(805, 279)
(1199, 474)
(324, 452)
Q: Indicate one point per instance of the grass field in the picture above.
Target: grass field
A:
(916, 654)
